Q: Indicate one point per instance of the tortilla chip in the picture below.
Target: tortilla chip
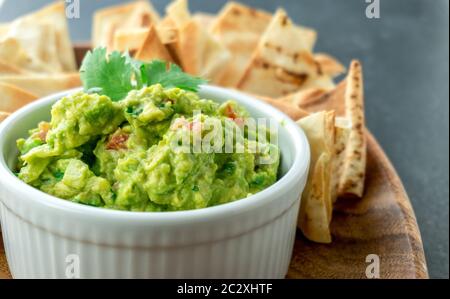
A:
(129, 39)
(205, 20)
(3, 115)
(239, 28)
(316, 203)
(280, 66)
(42, 85)
(153, 48)
(136, 14)
(13, 97)
(328, 65)
(196, 49)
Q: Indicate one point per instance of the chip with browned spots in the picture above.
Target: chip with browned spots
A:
(152, 47)
(317, 204)
(197, 51)
(133, 15)
(278, 65)
(347, 100)
(239, 28)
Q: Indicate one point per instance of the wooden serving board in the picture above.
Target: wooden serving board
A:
(381, 223)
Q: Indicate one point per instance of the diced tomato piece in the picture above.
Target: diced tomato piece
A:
(44, 127)
(229, 112)
(117, 141)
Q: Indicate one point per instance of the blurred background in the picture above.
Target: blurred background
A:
(405, 54)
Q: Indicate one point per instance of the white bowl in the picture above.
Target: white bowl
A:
(47, 237)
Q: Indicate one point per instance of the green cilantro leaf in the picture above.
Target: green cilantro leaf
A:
(156, 71)
(107, 76)
(117, 74)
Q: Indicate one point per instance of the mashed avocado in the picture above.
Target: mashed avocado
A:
(119, 155)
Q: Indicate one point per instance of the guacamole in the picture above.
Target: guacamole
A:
(120, 155)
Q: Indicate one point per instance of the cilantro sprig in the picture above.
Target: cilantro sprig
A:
(114, 75)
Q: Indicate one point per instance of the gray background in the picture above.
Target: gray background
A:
(405, 55)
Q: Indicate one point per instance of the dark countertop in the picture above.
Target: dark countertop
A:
(405, 55)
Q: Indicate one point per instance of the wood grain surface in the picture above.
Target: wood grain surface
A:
(381, 223)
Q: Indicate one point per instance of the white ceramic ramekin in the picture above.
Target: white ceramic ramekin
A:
(46, 237)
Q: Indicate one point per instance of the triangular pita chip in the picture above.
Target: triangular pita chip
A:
(169, 36)
(178, 13)
(129, 40)
(283, 60)
(322, 82)
(316, 203)
(328, 65)
(320, 100)
(12, 51)
(239, 28)
(39, 41)
(37, 44)
(354, 167)
(291, 110)
(136, 14)
(12, 97)
(328, 68)
(198, 52)
(55, 15)
(312, 89)
(205, 20)
(300, 97)
(313, 219)
(347, 100)
(153, 48)
(42, 85)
